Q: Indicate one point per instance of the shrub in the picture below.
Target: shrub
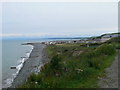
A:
(32, 78)
(39, 78)
(96, 57)
(95, 62)
(55, 63)
(91, 54)
(106, 49)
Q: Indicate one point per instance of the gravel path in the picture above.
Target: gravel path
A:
(36, 59)
(110, 80)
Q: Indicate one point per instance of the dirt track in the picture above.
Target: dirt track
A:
(110, 80)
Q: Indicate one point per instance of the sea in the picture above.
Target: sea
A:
(14, 54)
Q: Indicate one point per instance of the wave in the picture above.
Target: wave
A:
(9, 81)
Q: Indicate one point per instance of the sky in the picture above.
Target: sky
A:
(63, 19)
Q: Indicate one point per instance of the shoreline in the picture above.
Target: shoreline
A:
(37, 58)
(9, 80)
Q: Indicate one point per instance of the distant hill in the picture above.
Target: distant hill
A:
(108, 35)
(115, 39)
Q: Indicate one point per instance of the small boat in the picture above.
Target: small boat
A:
(24, 44)
(13, 67)
(28, 52)
(24, 57)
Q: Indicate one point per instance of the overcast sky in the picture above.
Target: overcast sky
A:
(59, 19)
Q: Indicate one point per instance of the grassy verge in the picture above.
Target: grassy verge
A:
(73, 66)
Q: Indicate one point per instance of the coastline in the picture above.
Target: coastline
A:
(37, 58)
(33, 64)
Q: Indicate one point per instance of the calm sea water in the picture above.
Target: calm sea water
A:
(0, 64)
(12, 51)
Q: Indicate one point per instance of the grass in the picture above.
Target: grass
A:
(73, 66)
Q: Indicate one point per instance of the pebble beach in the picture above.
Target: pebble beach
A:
(36, 59)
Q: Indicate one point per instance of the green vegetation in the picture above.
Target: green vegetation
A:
(115, 41)
(98, 37)
(73, 66)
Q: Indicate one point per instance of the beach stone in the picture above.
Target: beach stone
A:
(37, 59)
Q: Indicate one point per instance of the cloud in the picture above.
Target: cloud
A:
(22, 35)
(34, 35)
(71, 33)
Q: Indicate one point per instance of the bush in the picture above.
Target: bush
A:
(105, 49)
(96, 57)
(55, 63)
(95, 62)
(32, 78)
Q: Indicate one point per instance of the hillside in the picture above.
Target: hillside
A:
(73, 66)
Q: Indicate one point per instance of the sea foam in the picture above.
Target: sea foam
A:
(9, 81)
